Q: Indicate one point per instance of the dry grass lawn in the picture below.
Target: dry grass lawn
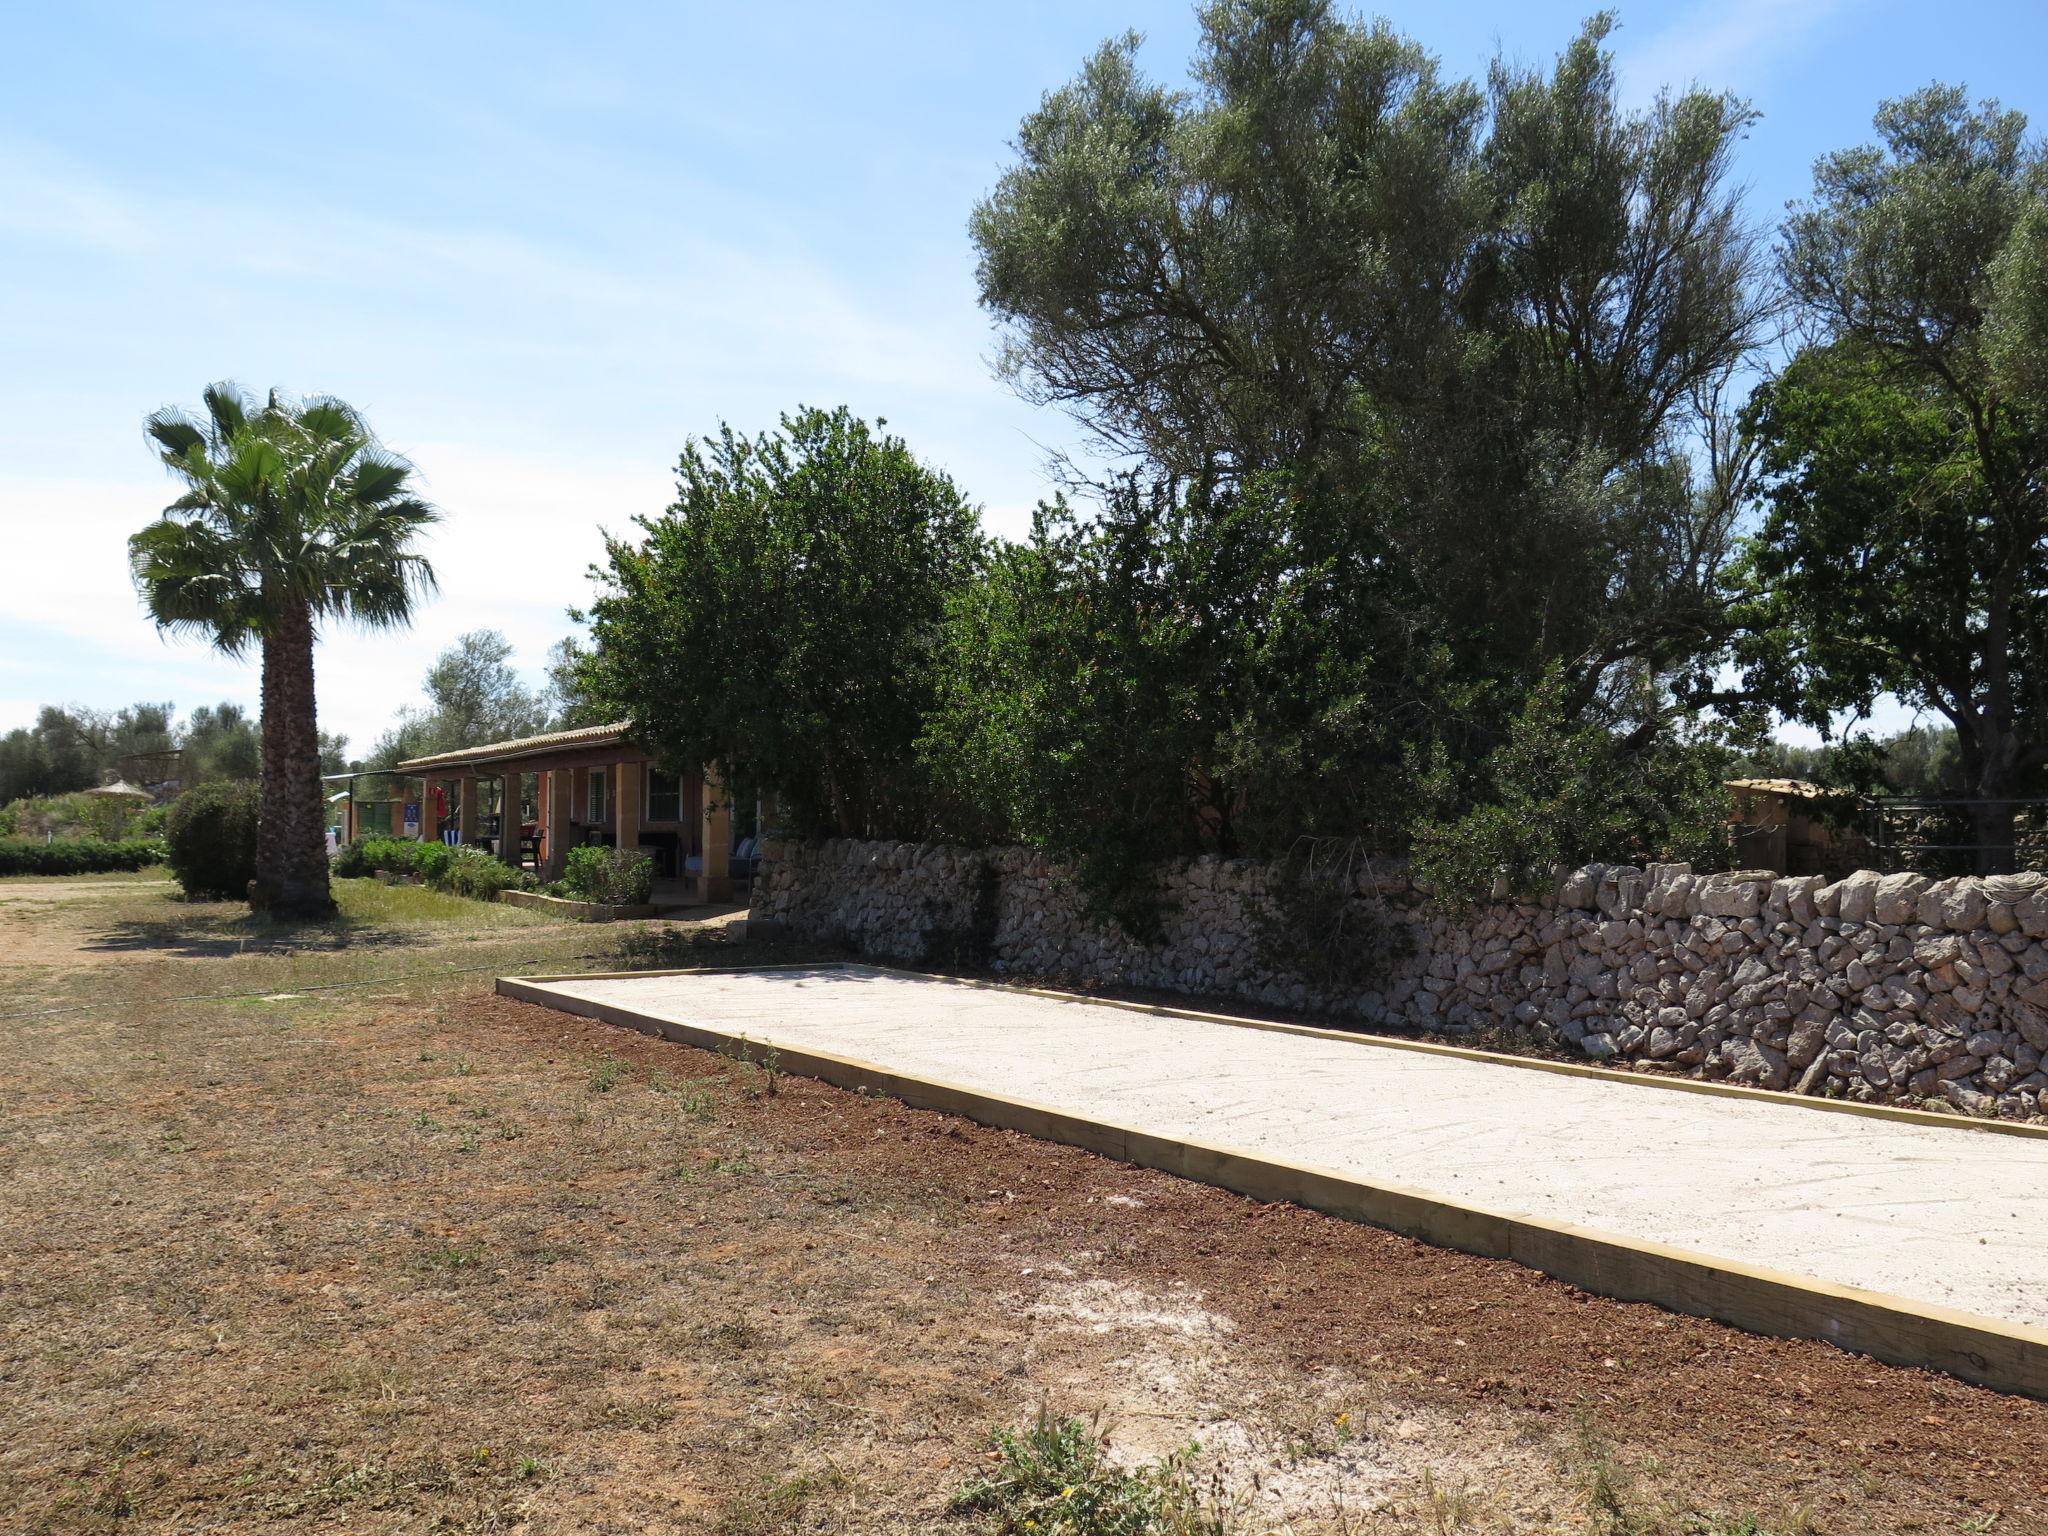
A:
(306, 1230)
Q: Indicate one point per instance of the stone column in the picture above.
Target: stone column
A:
(715, 883)
(559, 818)
(465, 809)
(626, 783)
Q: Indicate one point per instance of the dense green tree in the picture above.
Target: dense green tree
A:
(292, 515)
(220, 742)
(1429, 378)
(51, 757)
(473, 696)
(779, 620)
(570, 702)
(1471, 321)
(1175, 674)
(1905, 544)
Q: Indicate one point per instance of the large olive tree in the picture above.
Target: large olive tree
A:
(1477, 331)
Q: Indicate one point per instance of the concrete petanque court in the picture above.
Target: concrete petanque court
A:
(1915, 1238)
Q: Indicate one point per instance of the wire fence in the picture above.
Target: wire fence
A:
(1940, 837)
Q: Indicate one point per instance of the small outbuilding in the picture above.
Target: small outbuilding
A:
(1779, 824)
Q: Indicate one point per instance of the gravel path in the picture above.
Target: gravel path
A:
(1955, 1217)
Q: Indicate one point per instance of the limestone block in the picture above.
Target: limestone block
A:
(1856, 896)
(1738, 893)
(1897, 898)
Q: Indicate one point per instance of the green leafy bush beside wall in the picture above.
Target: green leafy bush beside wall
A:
(473, 873)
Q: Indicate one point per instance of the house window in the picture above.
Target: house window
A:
(664, 796)
(598, 802)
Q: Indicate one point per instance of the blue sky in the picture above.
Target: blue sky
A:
(542, 245)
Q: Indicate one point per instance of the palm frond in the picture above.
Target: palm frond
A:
(333, 420)
(289, 504)
(227, 409)
(175, 434)
(192, 579)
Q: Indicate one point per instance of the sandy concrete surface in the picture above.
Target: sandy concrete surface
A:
(1953, 1217)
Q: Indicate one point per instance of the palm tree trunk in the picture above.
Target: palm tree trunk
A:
(291, 842)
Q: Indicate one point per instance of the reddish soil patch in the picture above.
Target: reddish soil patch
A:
(1741, 1421)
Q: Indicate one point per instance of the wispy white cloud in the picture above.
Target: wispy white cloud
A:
(46, 195)
(1721, 45)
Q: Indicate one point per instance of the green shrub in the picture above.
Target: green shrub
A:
(430, 861)
(78, 856)
(212, 835)
(619, 877)
(473, 873)
(460, 871)
(1559, 793)
(390, 855)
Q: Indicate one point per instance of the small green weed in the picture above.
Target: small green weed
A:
(1055, 1479)
(758, 1076)
(607, 1074)
(735, 1336)
(694, 1099)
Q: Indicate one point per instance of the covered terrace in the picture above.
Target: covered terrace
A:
(590, 785)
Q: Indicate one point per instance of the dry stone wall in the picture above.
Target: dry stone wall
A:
(1882, 988)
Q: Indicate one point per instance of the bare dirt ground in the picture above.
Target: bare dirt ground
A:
(351, 1244)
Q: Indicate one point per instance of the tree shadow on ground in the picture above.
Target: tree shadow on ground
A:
(224, 938)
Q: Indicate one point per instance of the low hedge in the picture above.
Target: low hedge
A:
(78, 856)
(459, 871)
(368, 855)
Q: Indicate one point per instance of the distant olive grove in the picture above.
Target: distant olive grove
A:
(70, 747)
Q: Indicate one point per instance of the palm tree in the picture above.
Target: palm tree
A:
(292, 515)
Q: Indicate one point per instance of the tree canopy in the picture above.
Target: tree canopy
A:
(74, 748)
(473, 695)
(1472, 322)
(780, 619)
(1420, 385)
(1904, 548)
